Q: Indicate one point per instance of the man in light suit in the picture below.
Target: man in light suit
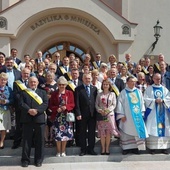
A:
(34, 103)
(85, 97)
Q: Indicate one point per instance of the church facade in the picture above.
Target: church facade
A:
(87, 26)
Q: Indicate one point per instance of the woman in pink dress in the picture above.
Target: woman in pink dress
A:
(105, 105)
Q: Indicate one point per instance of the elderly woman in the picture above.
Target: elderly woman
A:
(105, 105)
(141, 83)
(30, 67)
(50, 86)
(102, 72)
(5, 100)
(40, 73)
(62, 102)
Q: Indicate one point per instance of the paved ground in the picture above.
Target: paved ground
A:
(153, 165)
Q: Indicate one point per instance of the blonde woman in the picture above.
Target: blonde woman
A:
(95, 82)
(112, 60)
(102, 72)
(5, 100)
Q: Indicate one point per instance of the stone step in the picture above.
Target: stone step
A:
(15, 160)
(10, 156)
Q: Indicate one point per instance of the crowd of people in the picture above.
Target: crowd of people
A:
(127, 100)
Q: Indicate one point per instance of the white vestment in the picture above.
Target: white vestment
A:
(154, 141)
(128, 127)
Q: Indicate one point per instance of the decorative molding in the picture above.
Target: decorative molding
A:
(3, 23)
(126, 30)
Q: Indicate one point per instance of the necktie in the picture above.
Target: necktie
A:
(25, 82)
(88, 91)
(74, 82)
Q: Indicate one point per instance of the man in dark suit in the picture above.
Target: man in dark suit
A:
(65, 67)
(34, 103)
(13, 73)
(2, 60)
(85, 97)
(117, 83)
(39, 58)
(96, 64)
(14, 53)
(72, 84)
(19, 85)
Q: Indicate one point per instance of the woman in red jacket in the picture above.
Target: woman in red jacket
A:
(61, 102)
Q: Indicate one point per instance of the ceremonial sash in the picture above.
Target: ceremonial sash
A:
(115, 89)
(160, 111)
(134, 103)
(157, 66)
(68, 74)
(71, 85)
(125, 64)
(34, 95)
(95, 65)
(15, 65)
(145, 70)
(62, 70)
(20, 84)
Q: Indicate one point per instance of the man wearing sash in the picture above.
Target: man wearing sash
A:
(157, 116)
(17, 61)
(117, 83)
(33, 104)
(129, 111)
(65, 67)
(96, 64)
(18, 86)
(72, 84)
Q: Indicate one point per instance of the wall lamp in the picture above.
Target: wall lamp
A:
(157, 29)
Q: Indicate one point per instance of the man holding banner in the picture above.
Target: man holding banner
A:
(130, 108)
(157, 116)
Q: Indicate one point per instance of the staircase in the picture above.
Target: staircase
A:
(10, 156)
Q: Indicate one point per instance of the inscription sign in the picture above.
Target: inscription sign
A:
(64, 17)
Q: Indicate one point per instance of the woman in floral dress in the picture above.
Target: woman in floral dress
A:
(62, 102)
(105, 105)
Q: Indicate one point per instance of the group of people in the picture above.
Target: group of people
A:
(123, 99)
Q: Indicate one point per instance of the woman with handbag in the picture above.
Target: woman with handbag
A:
(105, 105)
(62, 102)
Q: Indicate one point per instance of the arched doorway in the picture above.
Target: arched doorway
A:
(65, 48)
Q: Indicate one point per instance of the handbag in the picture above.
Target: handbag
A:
(70, 117)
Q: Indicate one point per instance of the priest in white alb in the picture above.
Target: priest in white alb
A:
(130, 109)
(157, 116)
